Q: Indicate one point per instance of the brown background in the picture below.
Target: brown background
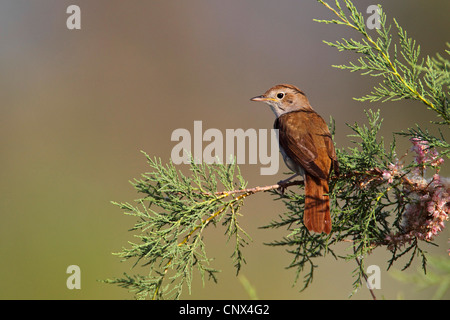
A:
(78, 106)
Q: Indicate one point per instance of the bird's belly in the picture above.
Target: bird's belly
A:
(291, 164)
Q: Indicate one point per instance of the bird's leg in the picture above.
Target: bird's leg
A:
(282, 183)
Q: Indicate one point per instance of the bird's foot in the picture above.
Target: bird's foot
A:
(283, 183)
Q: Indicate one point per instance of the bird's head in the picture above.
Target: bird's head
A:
(284, 98)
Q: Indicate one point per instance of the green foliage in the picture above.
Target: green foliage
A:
(404, 74)
(172, 213)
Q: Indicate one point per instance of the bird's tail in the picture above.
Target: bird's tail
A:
(317, 205)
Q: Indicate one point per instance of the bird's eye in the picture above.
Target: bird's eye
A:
(280, 95)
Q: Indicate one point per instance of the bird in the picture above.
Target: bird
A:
(307, 149)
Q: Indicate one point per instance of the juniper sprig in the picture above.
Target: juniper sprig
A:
(172, 213)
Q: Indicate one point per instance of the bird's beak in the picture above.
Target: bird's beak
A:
(262, 98)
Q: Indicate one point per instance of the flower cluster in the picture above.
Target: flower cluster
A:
(424, 154)
(429, 199)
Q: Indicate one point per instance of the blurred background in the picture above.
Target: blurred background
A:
(77, 106)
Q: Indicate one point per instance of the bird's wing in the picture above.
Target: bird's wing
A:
(303, 135)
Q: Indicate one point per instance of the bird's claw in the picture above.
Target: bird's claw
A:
(282, 186)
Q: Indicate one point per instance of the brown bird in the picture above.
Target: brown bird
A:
(307, 149)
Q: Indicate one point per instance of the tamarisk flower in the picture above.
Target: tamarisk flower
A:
(394, 170)
(429, 207)
(424, 154)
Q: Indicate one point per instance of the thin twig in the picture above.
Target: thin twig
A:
(258, 189)
(365, 278)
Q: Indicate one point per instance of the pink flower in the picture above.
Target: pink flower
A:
(394, 170)
(424, 217)
(425, 155)
(387, 176)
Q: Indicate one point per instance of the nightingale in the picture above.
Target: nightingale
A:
(307, 149)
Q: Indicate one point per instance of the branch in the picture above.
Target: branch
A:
(250, 191)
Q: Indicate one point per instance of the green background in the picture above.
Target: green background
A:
(76, 108)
